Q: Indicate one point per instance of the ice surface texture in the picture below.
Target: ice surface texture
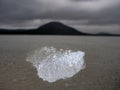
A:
(53, 64)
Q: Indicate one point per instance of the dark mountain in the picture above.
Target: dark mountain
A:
(57, 28)
(52, 28)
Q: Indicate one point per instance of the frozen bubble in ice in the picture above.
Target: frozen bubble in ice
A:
(53, 64)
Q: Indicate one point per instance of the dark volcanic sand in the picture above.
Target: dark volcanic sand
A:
(102, 59)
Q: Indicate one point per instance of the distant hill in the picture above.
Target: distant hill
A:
(52, 28)
(57, 28)
(106, 34)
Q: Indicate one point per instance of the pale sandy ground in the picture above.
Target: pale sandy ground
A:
(102, 59)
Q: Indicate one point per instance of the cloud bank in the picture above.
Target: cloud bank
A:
(77, 13)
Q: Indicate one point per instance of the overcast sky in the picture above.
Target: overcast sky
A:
(85, 15)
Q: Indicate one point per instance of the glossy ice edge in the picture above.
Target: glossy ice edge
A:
(53, 64)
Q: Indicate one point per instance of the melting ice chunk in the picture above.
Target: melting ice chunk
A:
(53, 64)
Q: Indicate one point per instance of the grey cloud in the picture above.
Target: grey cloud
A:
(12, 10)
(83, 0)
(19, 12)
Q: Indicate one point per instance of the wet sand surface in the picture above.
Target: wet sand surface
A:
(102, 59)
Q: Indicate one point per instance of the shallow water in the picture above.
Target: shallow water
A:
(102, 58)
